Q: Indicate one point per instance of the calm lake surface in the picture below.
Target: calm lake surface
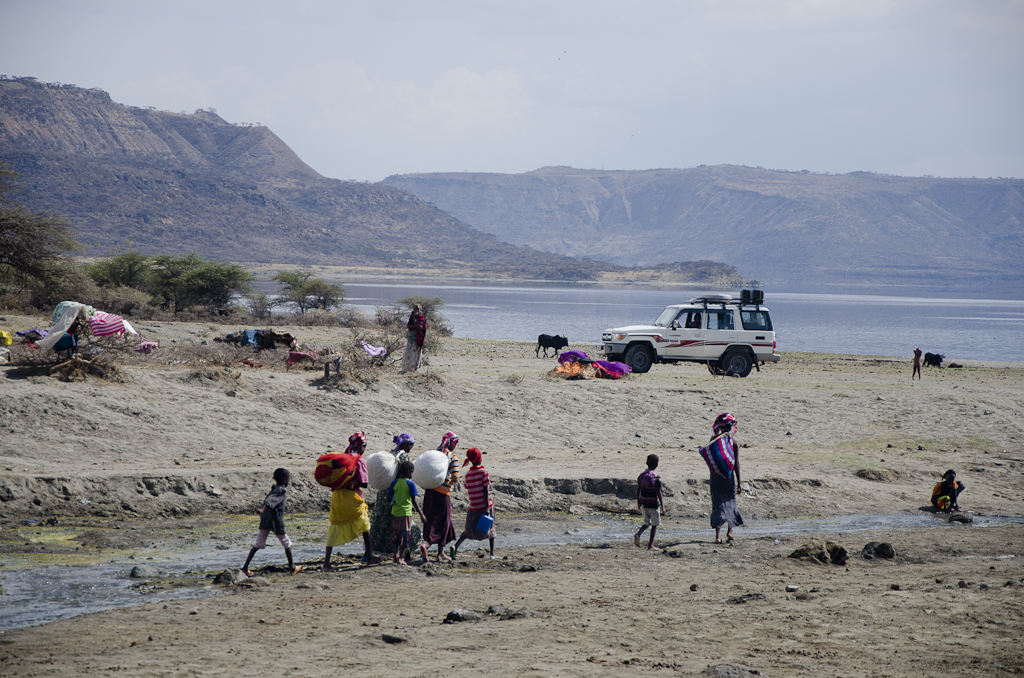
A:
(960, 329)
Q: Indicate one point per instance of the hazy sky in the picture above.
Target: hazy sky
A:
(363, 90)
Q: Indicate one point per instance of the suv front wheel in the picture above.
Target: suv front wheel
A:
(737, 363)
(640, 358)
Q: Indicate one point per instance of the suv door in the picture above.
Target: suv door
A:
(721, 331)
(686, 339)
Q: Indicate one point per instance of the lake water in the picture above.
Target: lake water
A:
(960, 329)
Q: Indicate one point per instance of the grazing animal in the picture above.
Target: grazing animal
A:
(547, 341)
(933, 359)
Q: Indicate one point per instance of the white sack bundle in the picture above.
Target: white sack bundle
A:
(430, 469)
(381, 470)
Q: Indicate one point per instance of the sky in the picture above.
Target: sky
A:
(363, 90)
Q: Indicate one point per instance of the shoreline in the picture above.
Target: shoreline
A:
(186, 448)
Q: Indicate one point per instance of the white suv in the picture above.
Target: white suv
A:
(729, 335)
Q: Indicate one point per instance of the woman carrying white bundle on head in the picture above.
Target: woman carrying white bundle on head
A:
(437, 502)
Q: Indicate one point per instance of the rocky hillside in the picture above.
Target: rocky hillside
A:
(174, 183)
(784, 228)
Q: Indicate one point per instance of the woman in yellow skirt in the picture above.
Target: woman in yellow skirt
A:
(349, 515)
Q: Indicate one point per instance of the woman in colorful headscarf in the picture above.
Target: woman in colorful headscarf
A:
(724, 488)
(349, 516)
(437, 503)
(380, 532)
(415, 335)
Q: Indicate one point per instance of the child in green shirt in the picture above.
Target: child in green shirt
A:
(403, 495)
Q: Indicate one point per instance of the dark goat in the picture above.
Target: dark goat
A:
(933, 359)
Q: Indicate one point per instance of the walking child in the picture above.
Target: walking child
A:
(272, 518)
(403, 495)
(478, 486)
(649, 501)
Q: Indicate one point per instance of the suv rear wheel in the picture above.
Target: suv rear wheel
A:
(640, 358)
(737, 363)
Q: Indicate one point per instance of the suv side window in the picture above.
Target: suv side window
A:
(720, 320)
(692, 320)
(756, 320)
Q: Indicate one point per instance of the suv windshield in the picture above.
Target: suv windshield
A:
(666, 317)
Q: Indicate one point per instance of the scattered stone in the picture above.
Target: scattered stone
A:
(961, 518)
(428, 569)
(673, 553)
(823, 552)
(745, 598)
(693, 587)
(496, 609)
(52, 521)
(578, 510)
(920, 448)
(392, 640)
(803, 595)
(792, 588)
(883, 476)
(878, 549)
(146, 571)
(229, 577)
(528, 568)
(731, 671)
(983, 587)
(962, 584)
(461, 614)
(894, 587)
(254, 582)
(522, 613)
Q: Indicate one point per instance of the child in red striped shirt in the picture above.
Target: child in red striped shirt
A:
(478, 486)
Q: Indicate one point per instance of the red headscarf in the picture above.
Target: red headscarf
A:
(357, 438)
(473, 456)
(449, 441)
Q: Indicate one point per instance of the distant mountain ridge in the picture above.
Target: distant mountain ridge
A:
(173, 183)
(783, 228)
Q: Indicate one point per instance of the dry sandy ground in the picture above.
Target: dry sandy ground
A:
(823, 436)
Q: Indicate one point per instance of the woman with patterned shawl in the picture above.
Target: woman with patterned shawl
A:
(724, 488)
(415, 335)
(349, 515)
(437, 503)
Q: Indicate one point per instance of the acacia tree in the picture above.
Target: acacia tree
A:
(303, 291)
(33, 245)
(123, 269)
(187, 281)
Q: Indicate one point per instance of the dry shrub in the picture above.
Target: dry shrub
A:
(514, 379)
(78, 368)
(214, 374)
(213, 354)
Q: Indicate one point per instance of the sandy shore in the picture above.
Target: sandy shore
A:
(822, 435)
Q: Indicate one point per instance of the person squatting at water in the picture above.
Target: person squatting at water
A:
(649, 501)
(945, 492)
(478, 486)
(272, 519)
(349, 515)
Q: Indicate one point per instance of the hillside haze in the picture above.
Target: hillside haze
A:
(172, 183)
(794, 229)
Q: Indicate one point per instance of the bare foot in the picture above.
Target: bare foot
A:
(636, 540)
(247, 573)
(653, 548)
(442, 558)
(374, 560)
(400, 561)
(327, 568)
(298, 568)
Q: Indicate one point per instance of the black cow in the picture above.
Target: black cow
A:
(933, 359)
(546, 341)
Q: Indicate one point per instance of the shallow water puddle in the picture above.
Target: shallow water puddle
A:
(35, 595)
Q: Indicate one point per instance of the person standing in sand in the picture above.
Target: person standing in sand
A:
(402, 495)
(272, 519)
(917, 365)
(478, 487)
(437, 503)
(349, 515)
(723, 487)
(415, 335)
(380, 532)
(649, 501)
